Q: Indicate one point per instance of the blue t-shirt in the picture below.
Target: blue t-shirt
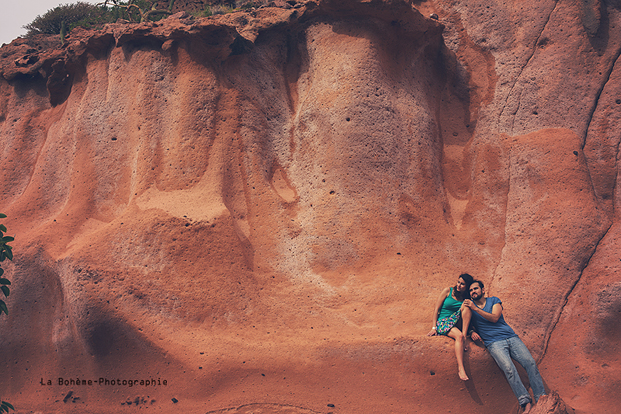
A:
(491, 331)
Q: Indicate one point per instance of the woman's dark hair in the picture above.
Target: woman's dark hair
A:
(465, 294)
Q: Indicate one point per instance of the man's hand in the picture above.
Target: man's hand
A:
(475, 336)
(469, 304)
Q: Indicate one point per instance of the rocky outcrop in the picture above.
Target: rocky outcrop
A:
(260, 208)
(551, 404)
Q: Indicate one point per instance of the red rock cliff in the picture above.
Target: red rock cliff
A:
(262, 207)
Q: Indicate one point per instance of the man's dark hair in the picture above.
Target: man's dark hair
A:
(481, 285)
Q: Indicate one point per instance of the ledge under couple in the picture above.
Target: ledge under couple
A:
(464, 304)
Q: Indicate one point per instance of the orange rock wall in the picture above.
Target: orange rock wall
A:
(262, 207)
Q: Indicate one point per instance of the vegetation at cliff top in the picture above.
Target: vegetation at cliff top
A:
(77, 14)
(92, 16)
(109, 11)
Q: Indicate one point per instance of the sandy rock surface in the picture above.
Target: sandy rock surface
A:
(256, 212)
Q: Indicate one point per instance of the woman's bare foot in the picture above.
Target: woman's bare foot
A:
(462, 375)
(527, 408)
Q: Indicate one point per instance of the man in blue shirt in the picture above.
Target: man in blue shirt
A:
(503, 344)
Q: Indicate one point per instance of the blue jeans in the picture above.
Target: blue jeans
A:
(502, 351)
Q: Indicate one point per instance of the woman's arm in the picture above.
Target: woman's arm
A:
(436, 310)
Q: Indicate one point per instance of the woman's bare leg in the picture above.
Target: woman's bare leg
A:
(459, 352)
(466, 315)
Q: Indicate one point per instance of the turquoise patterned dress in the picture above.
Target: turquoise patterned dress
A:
(449, 314)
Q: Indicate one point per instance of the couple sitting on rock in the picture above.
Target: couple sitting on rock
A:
(467, 301)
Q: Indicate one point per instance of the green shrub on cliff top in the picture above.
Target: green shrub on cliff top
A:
(77, 14)
(140, 10)
(89, 15)
(109, 11)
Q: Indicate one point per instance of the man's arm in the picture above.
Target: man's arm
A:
(492, 317)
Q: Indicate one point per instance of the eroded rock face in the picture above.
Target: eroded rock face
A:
(262, 207)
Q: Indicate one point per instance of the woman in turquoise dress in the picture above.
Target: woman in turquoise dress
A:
(447, 314)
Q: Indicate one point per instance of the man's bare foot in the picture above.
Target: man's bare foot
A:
(527, 408)
(462, 375)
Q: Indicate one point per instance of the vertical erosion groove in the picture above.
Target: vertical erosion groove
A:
(598, 95)
(565, 299)
(519, 75)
